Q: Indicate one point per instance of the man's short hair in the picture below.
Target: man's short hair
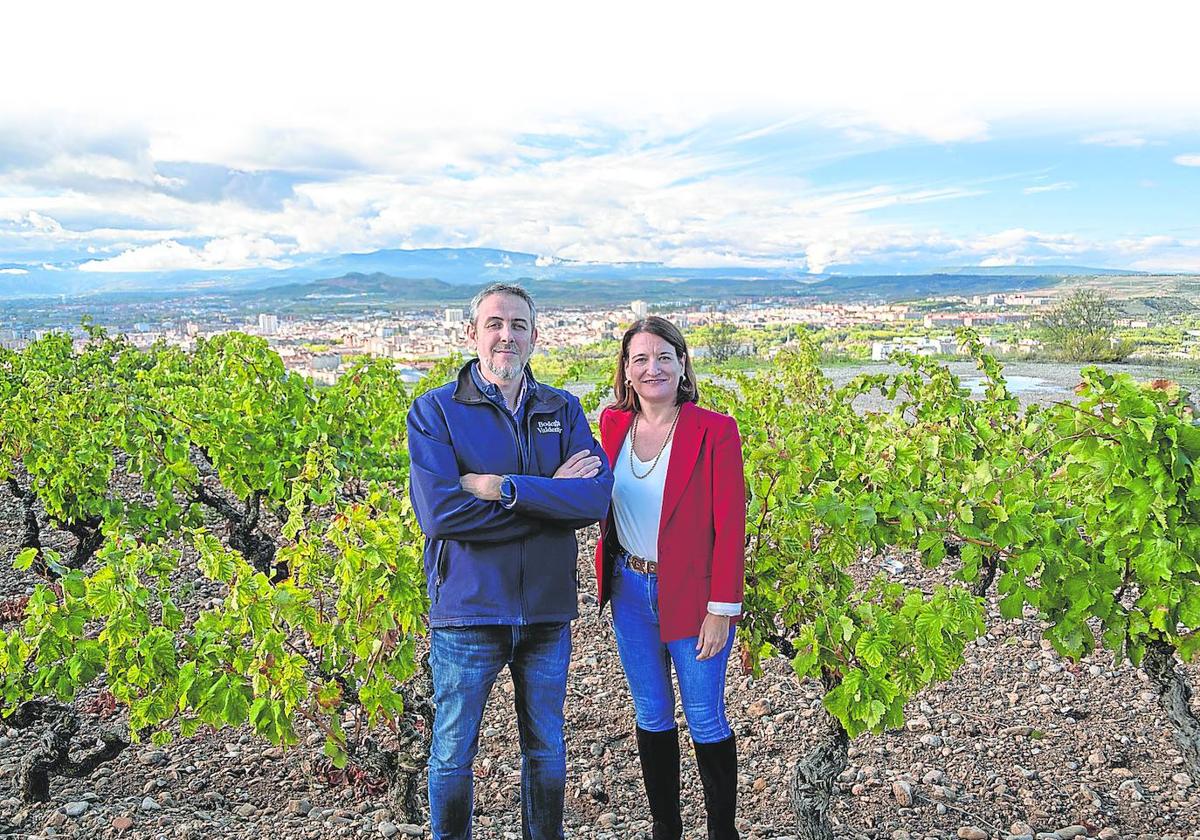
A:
(503, 289)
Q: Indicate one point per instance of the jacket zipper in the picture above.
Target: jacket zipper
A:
(516, 433)
(441, 572)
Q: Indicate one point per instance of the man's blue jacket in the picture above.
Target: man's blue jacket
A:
(485, 563)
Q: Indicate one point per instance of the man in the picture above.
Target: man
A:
(504, 469)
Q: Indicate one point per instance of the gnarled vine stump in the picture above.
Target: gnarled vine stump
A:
(51, 755)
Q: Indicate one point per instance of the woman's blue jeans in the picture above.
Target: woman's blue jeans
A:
(647, 662)
(466, 662)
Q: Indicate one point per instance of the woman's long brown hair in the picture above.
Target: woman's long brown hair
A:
(626, 398)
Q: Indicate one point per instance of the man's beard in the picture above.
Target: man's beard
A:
(505, 372)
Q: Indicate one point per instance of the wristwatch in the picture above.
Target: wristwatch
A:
(508, 491)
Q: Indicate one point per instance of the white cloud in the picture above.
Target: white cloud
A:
(1188, 160)
(1055, 187)
(35, 222)
(13, 271)
(1144, 244)
(996, 262)
(216, 255)
(925, 74)
(1116, 139)
(1160, 253)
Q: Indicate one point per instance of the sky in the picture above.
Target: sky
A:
(867, 138)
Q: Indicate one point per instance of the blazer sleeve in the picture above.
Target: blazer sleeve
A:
(575, 502)
(729, 514)
(444, 510)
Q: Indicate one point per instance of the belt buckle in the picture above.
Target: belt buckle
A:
(642, 565)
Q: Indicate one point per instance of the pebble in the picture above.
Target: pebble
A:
(388, 829)
(1108, 833)
(149, 804)
(246, 810)
(122, 823)
(759, 708)
(1133, 789)
(1017, 730)
(75, 809)
(903, 792)
(970, 832)
(154, 758)
(917, 723)
(942, 792)
(298, 806)
(1071, 831)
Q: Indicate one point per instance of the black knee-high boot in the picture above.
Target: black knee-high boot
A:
(659, 754)
(718, 774)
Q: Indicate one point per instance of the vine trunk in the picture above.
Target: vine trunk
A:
(1175, 696)
(814, 778)
(51, 755)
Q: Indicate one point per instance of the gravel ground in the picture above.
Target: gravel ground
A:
(1019, 742)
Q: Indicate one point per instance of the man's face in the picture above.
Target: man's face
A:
(502, 336)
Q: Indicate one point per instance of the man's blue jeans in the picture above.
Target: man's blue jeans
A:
(466, 662)
(647, 662)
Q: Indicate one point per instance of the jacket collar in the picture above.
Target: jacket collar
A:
(684, 451)
(540, 397)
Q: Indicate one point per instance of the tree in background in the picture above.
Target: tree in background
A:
(719, 340)
(1080, 328)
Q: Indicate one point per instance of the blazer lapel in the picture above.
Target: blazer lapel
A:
(618, 423)
(685, 448)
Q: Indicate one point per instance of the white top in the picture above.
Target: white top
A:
(637, 502)
(637, 506)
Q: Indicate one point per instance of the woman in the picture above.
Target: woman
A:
(670, 558)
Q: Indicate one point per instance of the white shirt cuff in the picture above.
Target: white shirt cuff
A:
(723, 608)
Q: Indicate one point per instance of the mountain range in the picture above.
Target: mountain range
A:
(439, 274)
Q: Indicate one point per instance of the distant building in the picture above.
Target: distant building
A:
(268, 324)
(377, 346)
(454, 318)
(924, 346)
(639, 308)
(326, 362)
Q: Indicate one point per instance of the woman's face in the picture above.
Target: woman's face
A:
(653, 368)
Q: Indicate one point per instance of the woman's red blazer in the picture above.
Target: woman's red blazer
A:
(702, 535)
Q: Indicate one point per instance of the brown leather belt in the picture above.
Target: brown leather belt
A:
(641, 565)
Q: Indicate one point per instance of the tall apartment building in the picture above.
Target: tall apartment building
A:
(268, 324)
(640, 308)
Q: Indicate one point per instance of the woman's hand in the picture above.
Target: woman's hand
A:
(486, 487)
(714, 633)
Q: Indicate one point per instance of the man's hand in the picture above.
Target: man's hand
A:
(486, 487)
(580, 465)
(714, 633)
